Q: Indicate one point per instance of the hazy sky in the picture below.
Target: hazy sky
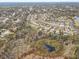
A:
(39, 0)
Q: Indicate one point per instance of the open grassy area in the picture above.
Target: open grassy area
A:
(41, 51)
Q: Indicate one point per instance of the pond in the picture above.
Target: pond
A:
(49, 48)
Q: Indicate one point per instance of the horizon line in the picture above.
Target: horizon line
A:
(39, 1)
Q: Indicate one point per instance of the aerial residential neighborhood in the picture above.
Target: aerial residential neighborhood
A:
(39, 31)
